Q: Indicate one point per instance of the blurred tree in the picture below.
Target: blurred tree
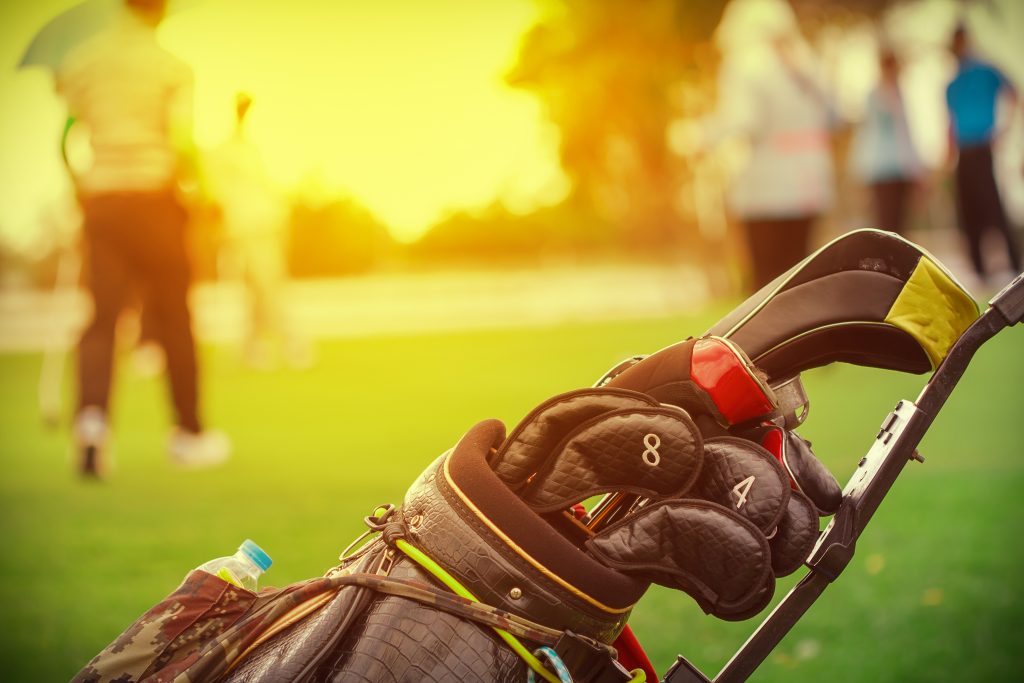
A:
(604, 71)
(336, 237)
(496, 235)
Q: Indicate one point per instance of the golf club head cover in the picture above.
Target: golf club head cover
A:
(652, 452)
(726, 394)
(734, 491)
(868, 297)
(748, 479)
(530, 443)
(716, 541)
(710, 378)
(720, 559)
(807, 474)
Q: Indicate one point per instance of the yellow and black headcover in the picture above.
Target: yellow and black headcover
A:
(869, 298)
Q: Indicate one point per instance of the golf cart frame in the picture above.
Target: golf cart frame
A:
(895, 445)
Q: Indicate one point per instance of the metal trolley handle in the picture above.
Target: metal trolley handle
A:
(895, 445)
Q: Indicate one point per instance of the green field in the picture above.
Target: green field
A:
(935, 593)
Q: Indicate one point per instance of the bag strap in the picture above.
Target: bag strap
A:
(229, 648)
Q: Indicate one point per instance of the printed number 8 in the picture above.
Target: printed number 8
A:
(650, 454)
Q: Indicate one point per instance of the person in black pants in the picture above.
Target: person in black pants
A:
(972, 97)
(776, 245)
(138, 239)
(979, 206)
(136, 99)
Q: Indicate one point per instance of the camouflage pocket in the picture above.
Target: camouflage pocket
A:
(169, 637)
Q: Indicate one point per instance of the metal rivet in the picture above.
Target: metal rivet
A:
(515, 593)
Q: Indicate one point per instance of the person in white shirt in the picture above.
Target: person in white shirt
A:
(135, 99)
(254, 217)
(769, 96)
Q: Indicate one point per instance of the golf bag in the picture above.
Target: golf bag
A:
(491, 568)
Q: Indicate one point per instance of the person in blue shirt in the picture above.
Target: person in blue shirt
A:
(972, 98)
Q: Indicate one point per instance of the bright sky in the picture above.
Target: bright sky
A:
(398, 103)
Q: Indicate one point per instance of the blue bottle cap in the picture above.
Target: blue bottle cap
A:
(256, 554)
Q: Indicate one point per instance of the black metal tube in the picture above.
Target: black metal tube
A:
(773, 629)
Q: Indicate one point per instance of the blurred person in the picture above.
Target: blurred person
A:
(770, 97)
(254, 219)
(136, 100)
(143, 338)
(884, 156)
(972, 98)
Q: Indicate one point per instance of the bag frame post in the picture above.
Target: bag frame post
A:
(895, 444)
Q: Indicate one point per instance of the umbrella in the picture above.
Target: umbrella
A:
(68, 29)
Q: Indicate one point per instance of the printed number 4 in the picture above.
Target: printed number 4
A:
(741, 490)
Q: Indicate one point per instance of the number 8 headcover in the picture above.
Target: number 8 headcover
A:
(753, 512)
(723, 517)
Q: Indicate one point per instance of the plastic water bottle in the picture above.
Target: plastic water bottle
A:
(243, 568)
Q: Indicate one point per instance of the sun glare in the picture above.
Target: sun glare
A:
(400, 105)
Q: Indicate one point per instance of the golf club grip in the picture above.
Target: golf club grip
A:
(894, 446)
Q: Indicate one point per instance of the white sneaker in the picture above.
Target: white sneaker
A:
(197, 450)
(90, 434)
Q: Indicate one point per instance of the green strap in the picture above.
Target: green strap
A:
(436, 570)
(452, 583)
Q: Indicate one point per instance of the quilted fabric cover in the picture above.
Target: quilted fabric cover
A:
(530, 443)
(722, 560)
(745, 478)
(796, 533)
(809, 474)
(607, 453)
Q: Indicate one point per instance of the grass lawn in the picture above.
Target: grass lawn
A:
(936, 591)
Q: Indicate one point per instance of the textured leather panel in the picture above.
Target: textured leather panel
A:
(745, 478)
(454, 538)
(652, 374)
(796, 535)
(549, 423)
(296, 650)
(481, 493)
(719, 558)
(810, 475)
(403, 641)
(654, 452)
